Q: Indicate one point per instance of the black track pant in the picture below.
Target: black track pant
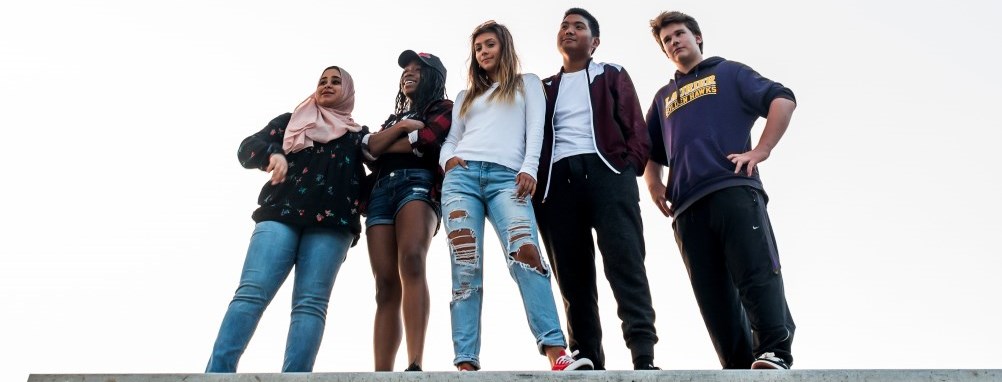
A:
(584, 195)
(730, 251)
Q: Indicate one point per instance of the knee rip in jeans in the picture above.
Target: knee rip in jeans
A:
(463, 244)
(464, 292)
(526, 254)
(527, 257)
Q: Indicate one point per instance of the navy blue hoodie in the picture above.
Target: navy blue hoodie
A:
(699, 118)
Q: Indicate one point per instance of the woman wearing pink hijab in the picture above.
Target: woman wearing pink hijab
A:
(307, 219)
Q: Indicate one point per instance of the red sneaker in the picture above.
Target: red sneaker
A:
(567, 362)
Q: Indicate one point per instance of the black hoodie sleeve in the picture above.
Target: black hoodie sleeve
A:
(757, 92)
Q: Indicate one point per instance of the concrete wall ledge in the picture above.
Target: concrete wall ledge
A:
(881, 375)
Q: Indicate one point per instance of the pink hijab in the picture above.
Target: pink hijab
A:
(311, 122)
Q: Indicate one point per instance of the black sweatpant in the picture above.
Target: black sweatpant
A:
(584, 195)
(729, 249)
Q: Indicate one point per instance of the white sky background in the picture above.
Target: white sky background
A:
(126, 215)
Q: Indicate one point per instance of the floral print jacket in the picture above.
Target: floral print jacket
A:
(322, 185)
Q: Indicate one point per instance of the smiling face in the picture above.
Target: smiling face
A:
(488, 52)
(681, 45)
(410, 79)
(329, 87)
(575, 37)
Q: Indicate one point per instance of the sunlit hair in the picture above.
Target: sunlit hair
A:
(430, 88)
(668, 18)
(508, 67)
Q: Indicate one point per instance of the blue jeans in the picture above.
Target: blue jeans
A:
(469, 195)
(275, 248)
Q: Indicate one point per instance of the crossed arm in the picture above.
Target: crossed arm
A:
(394, 139)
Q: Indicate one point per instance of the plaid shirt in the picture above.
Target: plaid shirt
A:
(437, 119)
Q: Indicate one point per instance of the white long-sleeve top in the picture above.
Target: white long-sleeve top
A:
(509, 134)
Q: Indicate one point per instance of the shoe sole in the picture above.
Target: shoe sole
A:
(581, 364)
(767, 365)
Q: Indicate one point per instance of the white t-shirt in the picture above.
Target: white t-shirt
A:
(572, 124)
(509, 134)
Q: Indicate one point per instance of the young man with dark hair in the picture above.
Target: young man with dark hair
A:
(595, 144)
(700, 125)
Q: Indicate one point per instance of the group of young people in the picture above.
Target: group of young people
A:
(549, 159)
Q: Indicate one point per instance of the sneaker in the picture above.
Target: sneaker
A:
(413, 367)
(648, 366)
(769, 360)
(567, 362)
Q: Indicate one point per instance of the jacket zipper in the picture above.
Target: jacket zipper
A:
(594, 137)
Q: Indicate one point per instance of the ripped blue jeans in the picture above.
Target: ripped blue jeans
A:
(469, 196)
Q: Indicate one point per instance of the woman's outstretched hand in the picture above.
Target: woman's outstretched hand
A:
(277, 166)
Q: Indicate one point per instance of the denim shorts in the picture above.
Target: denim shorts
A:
(392, 191)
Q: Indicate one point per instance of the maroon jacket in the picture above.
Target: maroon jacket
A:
(618, 124)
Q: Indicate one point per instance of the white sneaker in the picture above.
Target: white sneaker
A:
(769, 360)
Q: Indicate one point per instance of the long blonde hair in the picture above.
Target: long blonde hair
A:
(508, 76)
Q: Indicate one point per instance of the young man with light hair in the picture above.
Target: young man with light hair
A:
(700, 125)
